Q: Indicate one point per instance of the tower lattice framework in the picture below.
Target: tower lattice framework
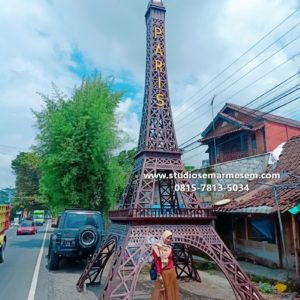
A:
(151, 202)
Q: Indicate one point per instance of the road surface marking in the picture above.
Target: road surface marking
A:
(37, 269)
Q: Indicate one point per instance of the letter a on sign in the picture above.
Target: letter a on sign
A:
(158, 50)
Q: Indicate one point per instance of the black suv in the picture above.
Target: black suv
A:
(78, 233)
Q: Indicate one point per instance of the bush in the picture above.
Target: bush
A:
(265, 287)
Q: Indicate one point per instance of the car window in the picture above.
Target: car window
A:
(76, 220)
(26, 224)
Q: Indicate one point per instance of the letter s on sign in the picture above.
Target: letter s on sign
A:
(160, 100)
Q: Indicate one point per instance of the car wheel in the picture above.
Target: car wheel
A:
(88, 237)
(2, 253)
(53, 261)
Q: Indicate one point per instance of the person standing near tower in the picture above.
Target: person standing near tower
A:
(166, 286)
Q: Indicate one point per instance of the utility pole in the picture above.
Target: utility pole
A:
(213, 123)
(281, 230)
(282, 237)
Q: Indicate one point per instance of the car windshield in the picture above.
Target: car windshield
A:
(26, 224)
(76, 220)
(38, 216)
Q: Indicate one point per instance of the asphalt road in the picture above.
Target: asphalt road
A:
(17, 271)
(20, 259)
(21, 256)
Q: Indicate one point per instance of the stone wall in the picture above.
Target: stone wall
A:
(256, 164)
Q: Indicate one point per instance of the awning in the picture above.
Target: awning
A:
(252, 210)
(295, 209)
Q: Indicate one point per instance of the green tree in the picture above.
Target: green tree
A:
(26, 169)
(189, 168)
(75, 141)
(121, 167)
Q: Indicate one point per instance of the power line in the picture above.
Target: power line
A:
(222, 72)
(264, 75)
(254, 100)
(282, 83)
(282, 105)
(257, 98)
(192, 149)
(235, 72)
(279, 97)
(261, 77)
(188, 140)
(273, 109)
(243, 76)
(252, 69)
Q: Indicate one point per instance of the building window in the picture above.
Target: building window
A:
(240, 228)
(261, 230)
(218, 152)
(243, 142)
(253, 143)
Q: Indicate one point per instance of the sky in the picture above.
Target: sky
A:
(60, 41)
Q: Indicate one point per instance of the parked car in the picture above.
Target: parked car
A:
(26, 227)
(77, 234)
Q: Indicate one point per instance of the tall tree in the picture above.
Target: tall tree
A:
(26, 169)
(121, 166)
(75, 140)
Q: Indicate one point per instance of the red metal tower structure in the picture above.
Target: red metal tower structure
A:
(151, 203)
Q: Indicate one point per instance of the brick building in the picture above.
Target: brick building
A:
(240, 132)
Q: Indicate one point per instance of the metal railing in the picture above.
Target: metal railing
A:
(162, 213)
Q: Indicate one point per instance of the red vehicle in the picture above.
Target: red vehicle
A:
(27, 227)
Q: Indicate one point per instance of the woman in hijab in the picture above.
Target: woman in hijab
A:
(166, 287)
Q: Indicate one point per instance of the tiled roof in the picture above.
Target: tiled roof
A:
(211, 136)
(262, 195)
(249, 119)
(257, 113)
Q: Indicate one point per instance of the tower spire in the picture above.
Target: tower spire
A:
(159, 2)
(157, 132)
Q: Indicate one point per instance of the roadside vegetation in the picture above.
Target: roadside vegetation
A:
(72, 163)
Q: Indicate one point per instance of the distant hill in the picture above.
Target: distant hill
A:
(6, 195)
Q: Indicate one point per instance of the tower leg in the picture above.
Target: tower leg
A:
(184, 263)
(94, 269)
(133, 249)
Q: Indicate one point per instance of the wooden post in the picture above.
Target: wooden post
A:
(233, 228)
(246, 226)
(295, 242)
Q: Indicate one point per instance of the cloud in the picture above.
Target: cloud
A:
(128, 124)
(57, 41)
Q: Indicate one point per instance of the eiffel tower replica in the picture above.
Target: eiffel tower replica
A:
(151, 202)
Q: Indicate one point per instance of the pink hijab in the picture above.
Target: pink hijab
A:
(163, 250)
